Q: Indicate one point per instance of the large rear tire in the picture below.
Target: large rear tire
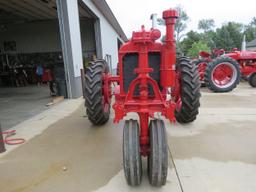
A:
(97, 108)
(158, 157)
(252, 80)
(188, 94)
(222, 74)
(131, 153)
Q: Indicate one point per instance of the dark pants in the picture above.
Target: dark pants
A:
(52, 90)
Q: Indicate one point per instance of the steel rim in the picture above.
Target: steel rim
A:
(224, 75)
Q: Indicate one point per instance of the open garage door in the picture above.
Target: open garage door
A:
(32, 58)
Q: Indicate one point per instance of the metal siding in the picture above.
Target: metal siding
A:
(71, 45)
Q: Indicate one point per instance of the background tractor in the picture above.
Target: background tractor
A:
(221, 72)
(151, 83)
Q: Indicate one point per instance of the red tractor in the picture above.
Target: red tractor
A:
(221, 71)
(151, 83)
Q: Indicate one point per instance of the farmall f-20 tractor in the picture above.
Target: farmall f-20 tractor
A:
(151, 83)
(221, 71)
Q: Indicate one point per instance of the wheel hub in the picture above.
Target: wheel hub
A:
(224, 75)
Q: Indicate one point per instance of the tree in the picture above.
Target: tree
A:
(181, 23)
(208, 38)
(229, 36)
(236, 33)
(206, 24)
(250, 33)
(180, 26)
(187, 42)
(223, 39)
(196, 48)
(250, 30)
(253, 22)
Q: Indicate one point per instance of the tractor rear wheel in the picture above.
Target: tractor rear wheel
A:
(201, 65)
(222, 74)
(131, 153)
(252, 80)
(186, 91)
(158, 157)
(97, 101)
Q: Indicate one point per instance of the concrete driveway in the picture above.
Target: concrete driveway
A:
(18, 104)
(216, 153)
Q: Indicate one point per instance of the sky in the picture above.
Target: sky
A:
(131, 14)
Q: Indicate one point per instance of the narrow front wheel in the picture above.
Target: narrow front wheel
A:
(131, 153)
(158, 157)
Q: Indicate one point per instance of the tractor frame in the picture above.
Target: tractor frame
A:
(150, 82)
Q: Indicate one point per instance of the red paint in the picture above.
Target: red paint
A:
(201, 67)
(146, 106)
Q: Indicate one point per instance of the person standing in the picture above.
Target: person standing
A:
(50, 80)
(39, 74)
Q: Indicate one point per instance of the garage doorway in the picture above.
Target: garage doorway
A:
(30, 37)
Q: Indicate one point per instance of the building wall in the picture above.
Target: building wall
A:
(108, 35)
(43, 36)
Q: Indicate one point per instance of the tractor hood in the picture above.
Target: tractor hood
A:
(238, 55)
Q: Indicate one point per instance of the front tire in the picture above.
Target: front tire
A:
(158, 157)
(187, 91)
(131, 153)
(97, 108)
(222, 74)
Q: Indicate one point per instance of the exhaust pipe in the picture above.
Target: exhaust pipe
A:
(153, 17)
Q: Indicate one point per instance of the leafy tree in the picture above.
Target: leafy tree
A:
(253, 22)
(208, 38)
(180, 26)
(223, 39)
(250, 33)
(187, 42)
(250, 30)
(181, 23)
(196, 47)
(236, 33)
(206, 24)
(229, 36)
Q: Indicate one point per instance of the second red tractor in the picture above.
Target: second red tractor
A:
(221, 72)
